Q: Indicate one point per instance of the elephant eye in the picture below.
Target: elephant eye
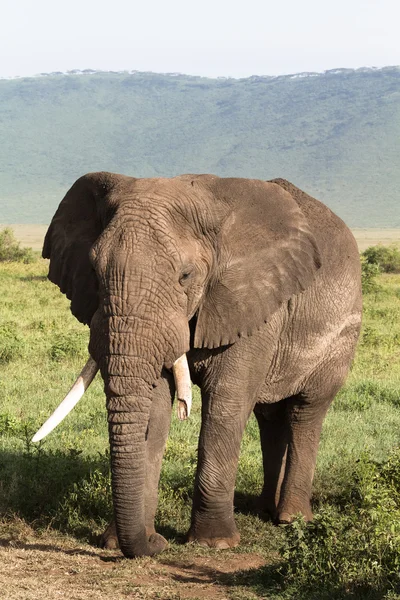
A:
(186, 274)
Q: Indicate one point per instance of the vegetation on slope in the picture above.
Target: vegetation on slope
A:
(334, 134)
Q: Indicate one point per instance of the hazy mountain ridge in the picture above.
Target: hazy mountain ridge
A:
(336, 134)
(301, 74)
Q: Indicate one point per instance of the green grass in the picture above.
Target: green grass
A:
(63, 483)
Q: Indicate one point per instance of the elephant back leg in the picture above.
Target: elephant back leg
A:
(159, 423)
(302, 429)
(273, 424)
(305, 413)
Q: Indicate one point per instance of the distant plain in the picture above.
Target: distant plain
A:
(33, 235)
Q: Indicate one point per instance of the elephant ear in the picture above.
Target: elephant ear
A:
(265, 253)
(80, 218)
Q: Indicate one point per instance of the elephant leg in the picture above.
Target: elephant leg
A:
(159, 423)
(222, 429)
(305, 417)
(305, 413)
(274, 436)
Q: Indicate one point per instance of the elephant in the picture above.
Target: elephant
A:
(251, 289)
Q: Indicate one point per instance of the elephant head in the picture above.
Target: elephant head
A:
(139, 259)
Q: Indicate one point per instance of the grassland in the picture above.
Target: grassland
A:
(55, 498)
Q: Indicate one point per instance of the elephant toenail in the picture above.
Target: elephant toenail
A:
(221, 545)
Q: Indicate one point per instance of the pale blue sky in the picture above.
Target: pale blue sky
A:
(210, 37)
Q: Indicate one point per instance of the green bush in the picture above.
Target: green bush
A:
(61, 486)
(387, 258)
(11, 342)
(355, 544)
(69, 345)
(89, 499)
(11, 251)
(9, 424)
(369, 274)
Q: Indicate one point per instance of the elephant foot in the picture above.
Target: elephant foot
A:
(214, 537)
(267, 508)
(157, 543)
(109, 539)
(218, 543)
(287, 513)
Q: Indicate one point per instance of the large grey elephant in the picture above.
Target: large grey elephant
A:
(257, 284)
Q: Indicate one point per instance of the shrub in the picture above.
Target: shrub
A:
(369, 274)
(355, 545)
(387, 258)
(89, 499)
(69, 345)
(11, 343)
(61, 487)
(11, 251)
(9, 424)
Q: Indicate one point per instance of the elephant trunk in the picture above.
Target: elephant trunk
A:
(134, 335)
(128, 417)
(130, 370)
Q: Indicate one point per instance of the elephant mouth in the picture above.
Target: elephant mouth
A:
(183, 385)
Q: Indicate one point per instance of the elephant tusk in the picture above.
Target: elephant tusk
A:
(71, 399)
(183, 385)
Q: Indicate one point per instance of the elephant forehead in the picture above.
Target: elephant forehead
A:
(136, 242)
(187, 201)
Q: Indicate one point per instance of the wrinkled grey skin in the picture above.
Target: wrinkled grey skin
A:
(258, 282)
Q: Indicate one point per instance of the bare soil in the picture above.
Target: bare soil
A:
(47, 566)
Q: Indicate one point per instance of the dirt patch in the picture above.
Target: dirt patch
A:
(51, 566)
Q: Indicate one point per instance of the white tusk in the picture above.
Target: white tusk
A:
(71, 399)
(183, 385)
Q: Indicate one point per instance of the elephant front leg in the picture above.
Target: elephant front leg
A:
(159, 423)
(213, 523)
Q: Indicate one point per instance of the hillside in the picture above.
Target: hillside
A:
(335, 134)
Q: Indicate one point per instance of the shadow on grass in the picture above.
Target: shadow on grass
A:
(53, 488)
(63, 490)
(10, 543)
(33, 278)
(171, 534)
(269, 582)
(247, 504)
(71, 493)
